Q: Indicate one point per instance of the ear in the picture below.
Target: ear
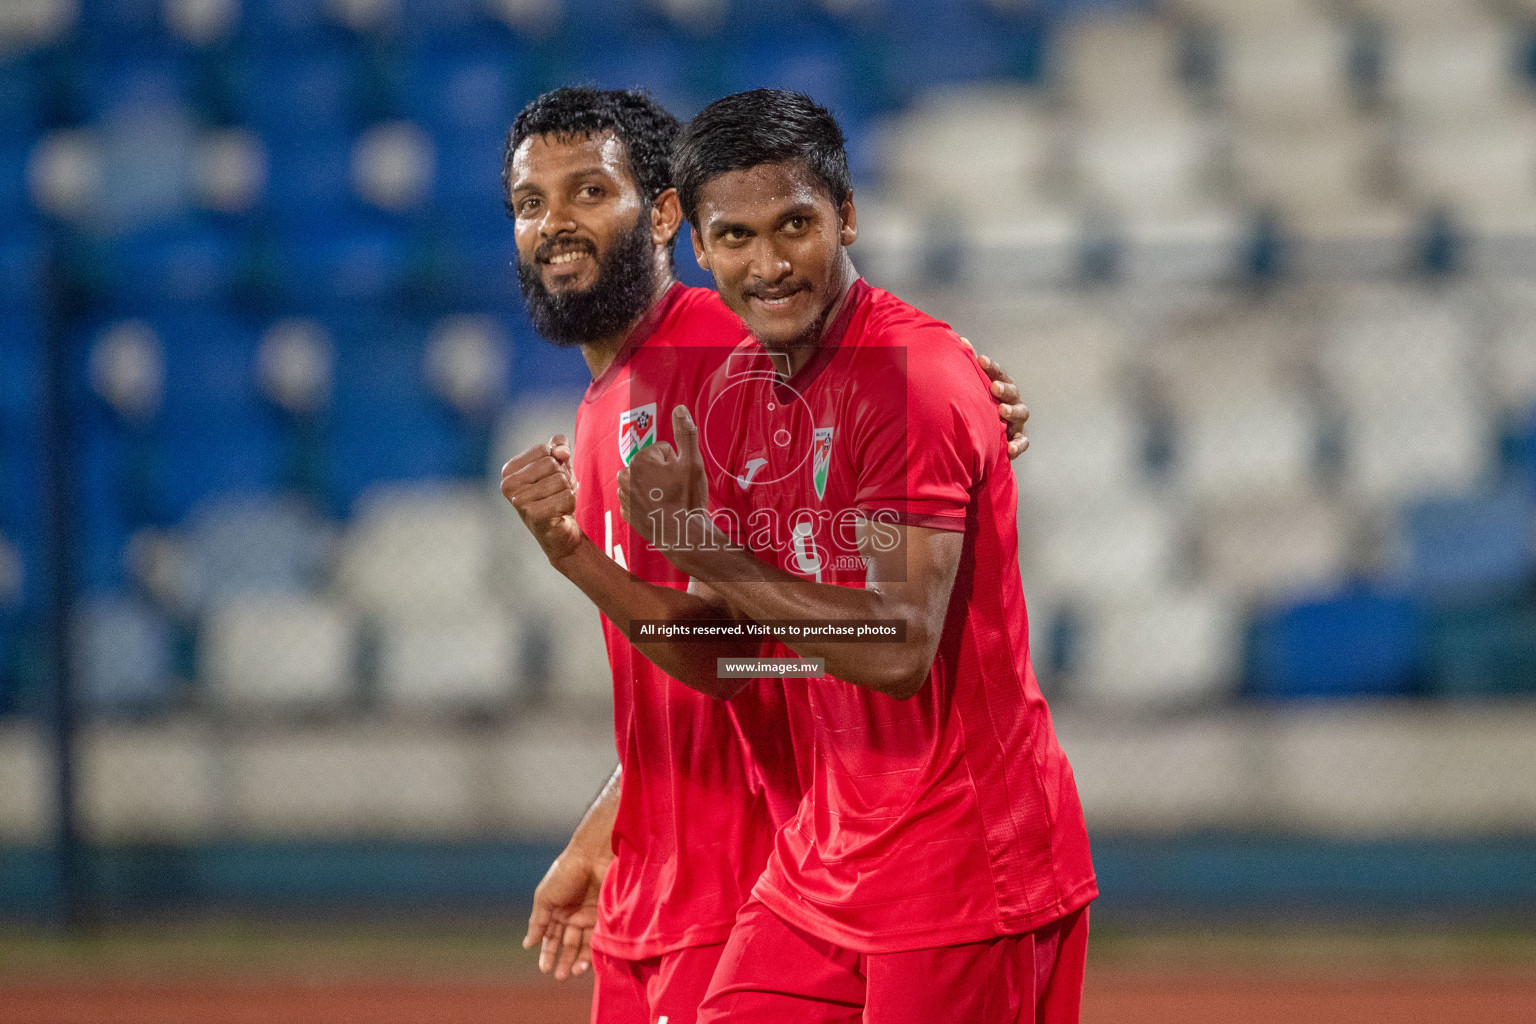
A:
(666, 217)
(848, 217)
(698, 250)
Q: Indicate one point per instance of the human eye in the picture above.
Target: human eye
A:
(527, 205)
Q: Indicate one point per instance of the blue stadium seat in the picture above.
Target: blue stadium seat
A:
(480, 254)
(22, 258)
(15, 205)
(184, 264)
(120, 20)
(822, 64)
(385, 425)
(420, 441)
(610, 19)
(457, 87)
(203, 458)
(304, 91)
(664, 65)
(1486, 652)
(215, 435)
(122, 80)
(209, 364)
(102, 513)
(287, 21)
(21, 99)
(928, 46)
(21, 385)
(244, 545)
(1350, 644)
(1523, 447)
(22, 519)
(1471, 548)
(342, 262)
(123, 654)
(468, 182)
(309, 177)
(450, 17)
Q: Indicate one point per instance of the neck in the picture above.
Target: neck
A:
(601, 353)
(800, 355)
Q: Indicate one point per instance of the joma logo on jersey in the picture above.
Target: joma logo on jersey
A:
(637, 430)
(821, 459)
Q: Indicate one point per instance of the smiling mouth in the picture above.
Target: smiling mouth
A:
(567, 257)
(776, 301)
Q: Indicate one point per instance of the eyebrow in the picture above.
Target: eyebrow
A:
(721, 227)
(584, 172)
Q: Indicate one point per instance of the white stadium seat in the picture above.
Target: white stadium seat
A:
(971, 152)
(1511, 368)
(1292, 73)
(1451, 69)
(1171, 648)
(1480, 166)
(1124, 64)
(1148, 163)
(1394, 452)
(470, 660)
(1391, 345)
(1245, 14)
(279, 653)
(427, 549)
(1422, 13)
(1097, 551)
(1229, 448)
(1022, 246)
(1090, 452)
(1270, 545)
(1324, 182)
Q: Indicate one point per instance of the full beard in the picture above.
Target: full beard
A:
(625, 287)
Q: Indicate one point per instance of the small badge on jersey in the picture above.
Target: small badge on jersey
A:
(821, 460)
(637, 430)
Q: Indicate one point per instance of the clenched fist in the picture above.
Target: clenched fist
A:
(540, 485)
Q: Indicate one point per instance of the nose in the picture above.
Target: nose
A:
(767, 263)
(557, 219)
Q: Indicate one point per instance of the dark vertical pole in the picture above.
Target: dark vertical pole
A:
(58, 502)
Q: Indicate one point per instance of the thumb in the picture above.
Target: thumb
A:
(686, 433)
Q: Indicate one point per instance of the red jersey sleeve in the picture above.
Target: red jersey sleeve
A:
(923, 430)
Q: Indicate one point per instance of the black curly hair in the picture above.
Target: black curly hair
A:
(635, 118)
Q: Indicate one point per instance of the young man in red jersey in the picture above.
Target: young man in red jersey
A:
(938, 867)
(651, 881)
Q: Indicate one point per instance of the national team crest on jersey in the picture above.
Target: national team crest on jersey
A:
(637, 430)
(821, 460)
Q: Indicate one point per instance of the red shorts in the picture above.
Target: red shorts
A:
(664, 989)
(772, 972)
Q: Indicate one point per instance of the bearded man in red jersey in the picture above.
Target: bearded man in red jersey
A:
(651, 881)
(845, 468)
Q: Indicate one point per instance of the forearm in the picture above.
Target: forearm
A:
(594, 833)
(625, 598)
(756, 590)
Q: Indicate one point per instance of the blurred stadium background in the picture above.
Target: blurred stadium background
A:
(1266, 270)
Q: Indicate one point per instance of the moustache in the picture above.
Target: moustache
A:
(557, 247)
(776, 292)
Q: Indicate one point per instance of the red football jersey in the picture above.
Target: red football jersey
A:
(706, 782)
(953, 816)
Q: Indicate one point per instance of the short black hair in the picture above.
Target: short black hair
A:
(632, 115)
(762, 126)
